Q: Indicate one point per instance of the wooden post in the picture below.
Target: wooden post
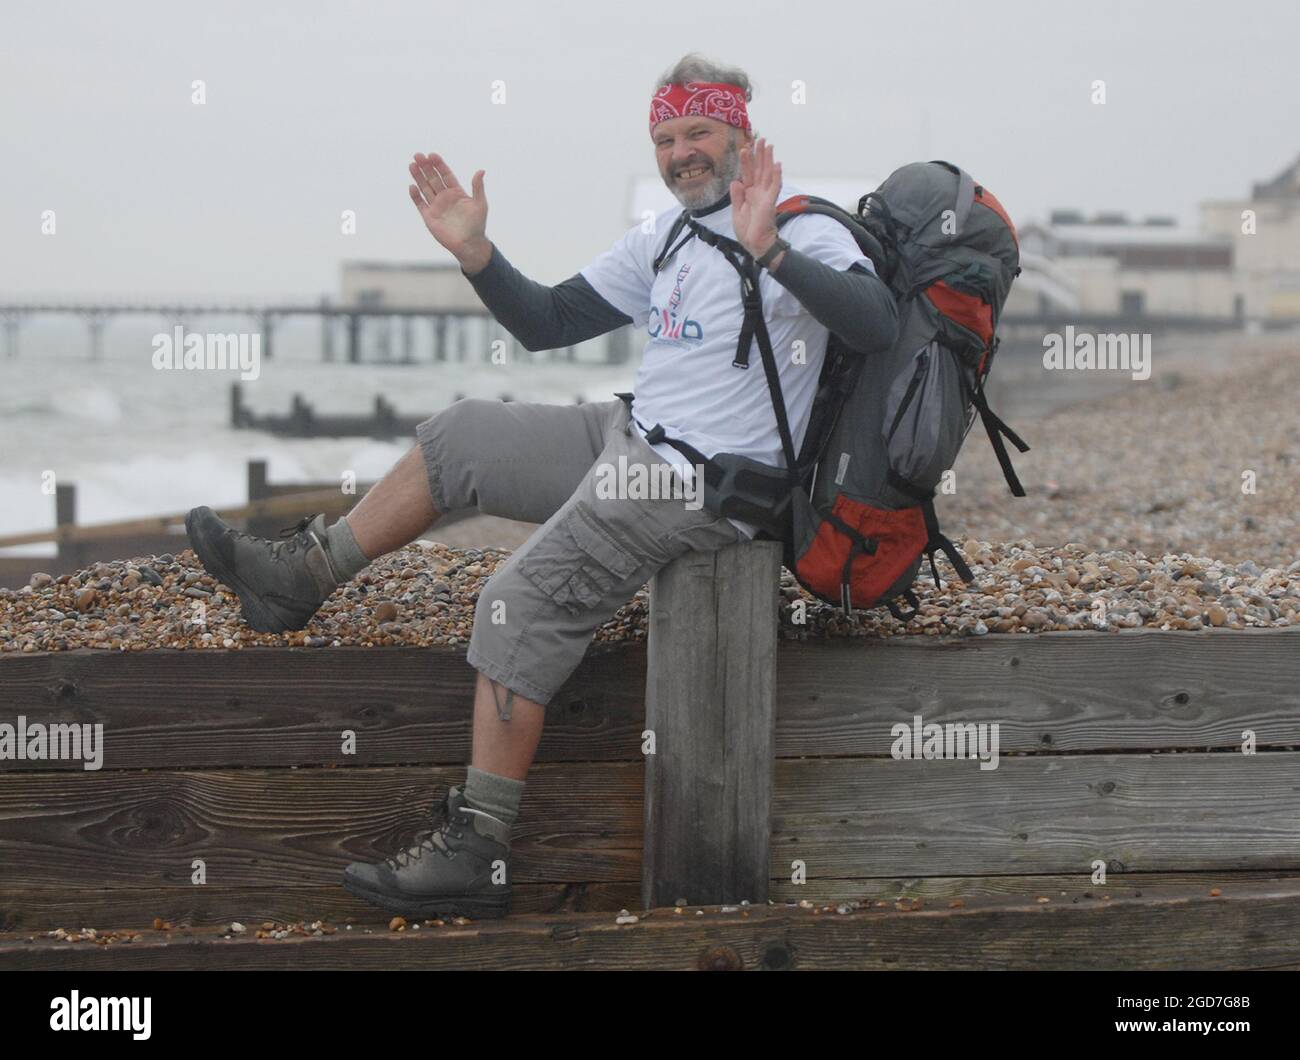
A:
(326, 331)
(257, 481)
(384, 422)
(258, 490)
(301, 418)
(354, 342)
(440, 336)
(71, 553)
(408, 340)
(711, 704)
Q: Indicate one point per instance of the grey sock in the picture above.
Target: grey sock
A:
(492, 794)
(346, 557)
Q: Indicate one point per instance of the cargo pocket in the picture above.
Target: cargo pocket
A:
(578, 562)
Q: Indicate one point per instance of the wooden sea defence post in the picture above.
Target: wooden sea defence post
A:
(711, 706)
(72, 553)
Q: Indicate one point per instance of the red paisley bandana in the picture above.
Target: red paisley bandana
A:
(706, 98)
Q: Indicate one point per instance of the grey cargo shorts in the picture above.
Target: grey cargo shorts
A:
(552, 464)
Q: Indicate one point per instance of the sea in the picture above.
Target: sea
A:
(142, 441)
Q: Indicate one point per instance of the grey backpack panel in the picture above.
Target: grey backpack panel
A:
(907, 412)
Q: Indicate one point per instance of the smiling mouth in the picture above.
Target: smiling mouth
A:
(692, 173)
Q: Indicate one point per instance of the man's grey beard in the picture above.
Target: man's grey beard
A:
(717, 185)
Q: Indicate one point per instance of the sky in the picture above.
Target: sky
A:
(316, 108)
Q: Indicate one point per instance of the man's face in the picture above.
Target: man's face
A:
(698, 158)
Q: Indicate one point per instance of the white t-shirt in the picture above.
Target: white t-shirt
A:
(692, 315)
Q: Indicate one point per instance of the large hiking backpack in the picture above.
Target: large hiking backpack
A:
(855, 507)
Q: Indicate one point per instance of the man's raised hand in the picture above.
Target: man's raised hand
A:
(456, 220)
(753, 197)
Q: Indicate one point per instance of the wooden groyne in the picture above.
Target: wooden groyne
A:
(1119, 753)
(302, 420)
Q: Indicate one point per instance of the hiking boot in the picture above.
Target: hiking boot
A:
(449, 870)
(280, 584)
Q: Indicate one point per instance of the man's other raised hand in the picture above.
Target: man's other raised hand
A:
(753, 198)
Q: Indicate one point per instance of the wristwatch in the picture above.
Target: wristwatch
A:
(772, 252)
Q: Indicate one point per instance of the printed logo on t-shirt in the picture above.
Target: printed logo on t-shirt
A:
(675, 299)
(663, 323)
(665, 327)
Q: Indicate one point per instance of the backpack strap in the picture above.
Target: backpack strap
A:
(996, 428)
(740, 260)
(938, 542)
(912, 602)
(965, 193)
(666, 254)
(656, 434)
(862, 545)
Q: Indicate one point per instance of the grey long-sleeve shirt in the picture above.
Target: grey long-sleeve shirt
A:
(853, 303)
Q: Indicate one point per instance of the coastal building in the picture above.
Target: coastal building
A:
(1114, 265)
(1242, 263)
(1264, 232)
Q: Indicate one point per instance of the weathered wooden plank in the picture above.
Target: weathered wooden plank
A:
(582, 823)
(291, 706)
(294, 827)
(45, 909)
(1037, 814)
(1133, 690)
(1078, 691)
(711, 711)
(1256, 926)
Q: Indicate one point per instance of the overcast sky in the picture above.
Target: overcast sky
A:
(315, 108)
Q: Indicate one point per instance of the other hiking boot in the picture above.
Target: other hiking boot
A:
(450, 870)
(280, 584)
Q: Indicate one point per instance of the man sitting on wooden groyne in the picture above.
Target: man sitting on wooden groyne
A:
(550, 464)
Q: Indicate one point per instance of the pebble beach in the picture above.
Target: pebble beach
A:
(1204, 457)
